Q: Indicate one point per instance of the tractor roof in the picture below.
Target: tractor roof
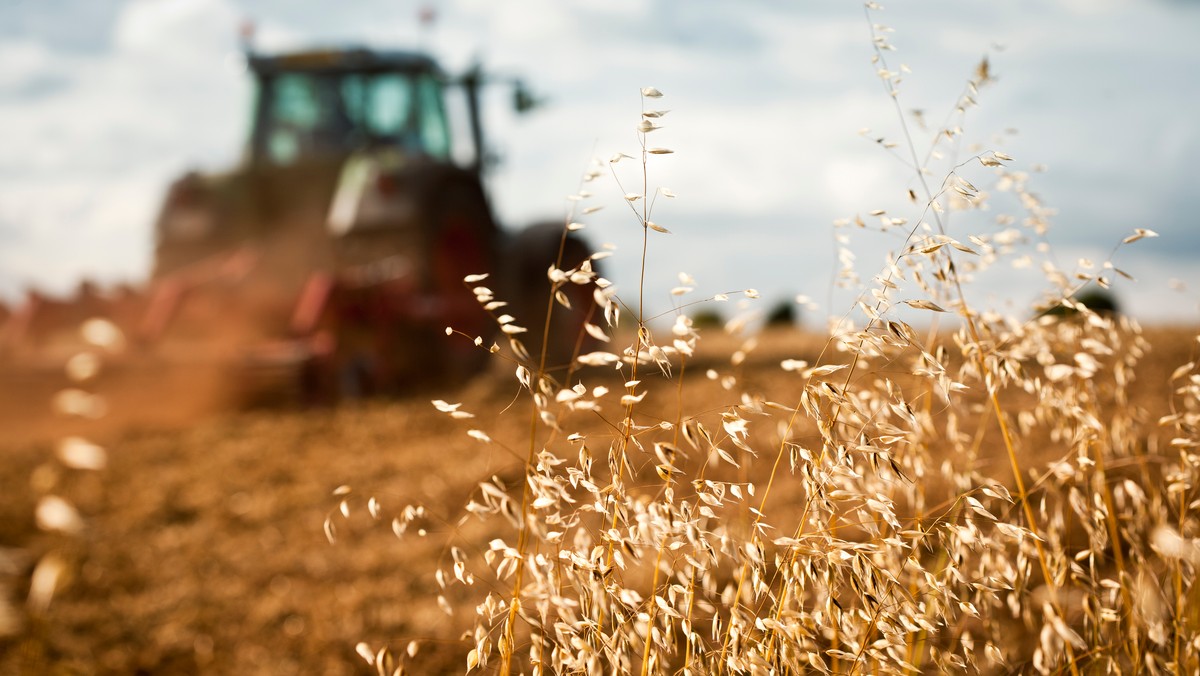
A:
(352, 60)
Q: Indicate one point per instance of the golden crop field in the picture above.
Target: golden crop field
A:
(205, 550)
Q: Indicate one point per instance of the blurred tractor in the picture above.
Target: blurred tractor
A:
(330, 261)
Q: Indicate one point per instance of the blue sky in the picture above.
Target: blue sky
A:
(104, 101)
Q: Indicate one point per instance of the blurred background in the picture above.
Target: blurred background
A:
(103, 102)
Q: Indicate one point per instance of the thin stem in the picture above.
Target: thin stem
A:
(984, 371)
(507, 645)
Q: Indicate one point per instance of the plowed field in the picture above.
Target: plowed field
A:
(204, 550)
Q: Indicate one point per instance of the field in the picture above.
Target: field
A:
(926, 486)
(204, 549)
(205, 552)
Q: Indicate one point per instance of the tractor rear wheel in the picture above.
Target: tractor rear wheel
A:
(463, 243)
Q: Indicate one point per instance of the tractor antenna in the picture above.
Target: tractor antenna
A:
(426, 18)
(246, 32)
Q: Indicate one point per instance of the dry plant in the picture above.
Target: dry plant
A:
(50, 564)
(975, 496)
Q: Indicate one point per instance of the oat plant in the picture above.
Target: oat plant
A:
(941, 487)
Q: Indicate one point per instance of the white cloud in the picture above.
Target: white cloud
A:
(176, 29)
(88, 160)
(28, 68)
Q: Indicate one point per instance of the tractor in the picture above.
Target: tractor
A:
(330, 261)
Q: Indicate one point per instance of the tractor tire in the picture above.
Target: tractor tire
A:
(462, 243)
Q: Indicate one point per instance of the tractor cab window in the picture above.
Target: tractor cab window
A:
(435, 131)
(303, 118)
(306, 115)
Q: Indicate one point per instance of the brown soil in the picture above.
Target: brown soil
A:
(204, 549)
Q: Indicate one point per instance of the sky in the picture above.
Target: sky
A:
(103, 102)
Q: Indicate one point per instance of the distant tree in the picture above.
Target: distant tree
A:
(707, 319)
(1098, 300)
(782, 313)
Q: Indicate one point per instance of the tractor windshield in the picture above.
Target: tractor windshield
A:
(328, 114)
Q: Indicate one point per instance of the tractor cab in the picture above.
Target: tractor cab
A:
(327, 104)
(349, 159)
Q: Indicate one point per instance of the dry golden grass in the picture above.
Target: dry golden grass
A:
(204, 550)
